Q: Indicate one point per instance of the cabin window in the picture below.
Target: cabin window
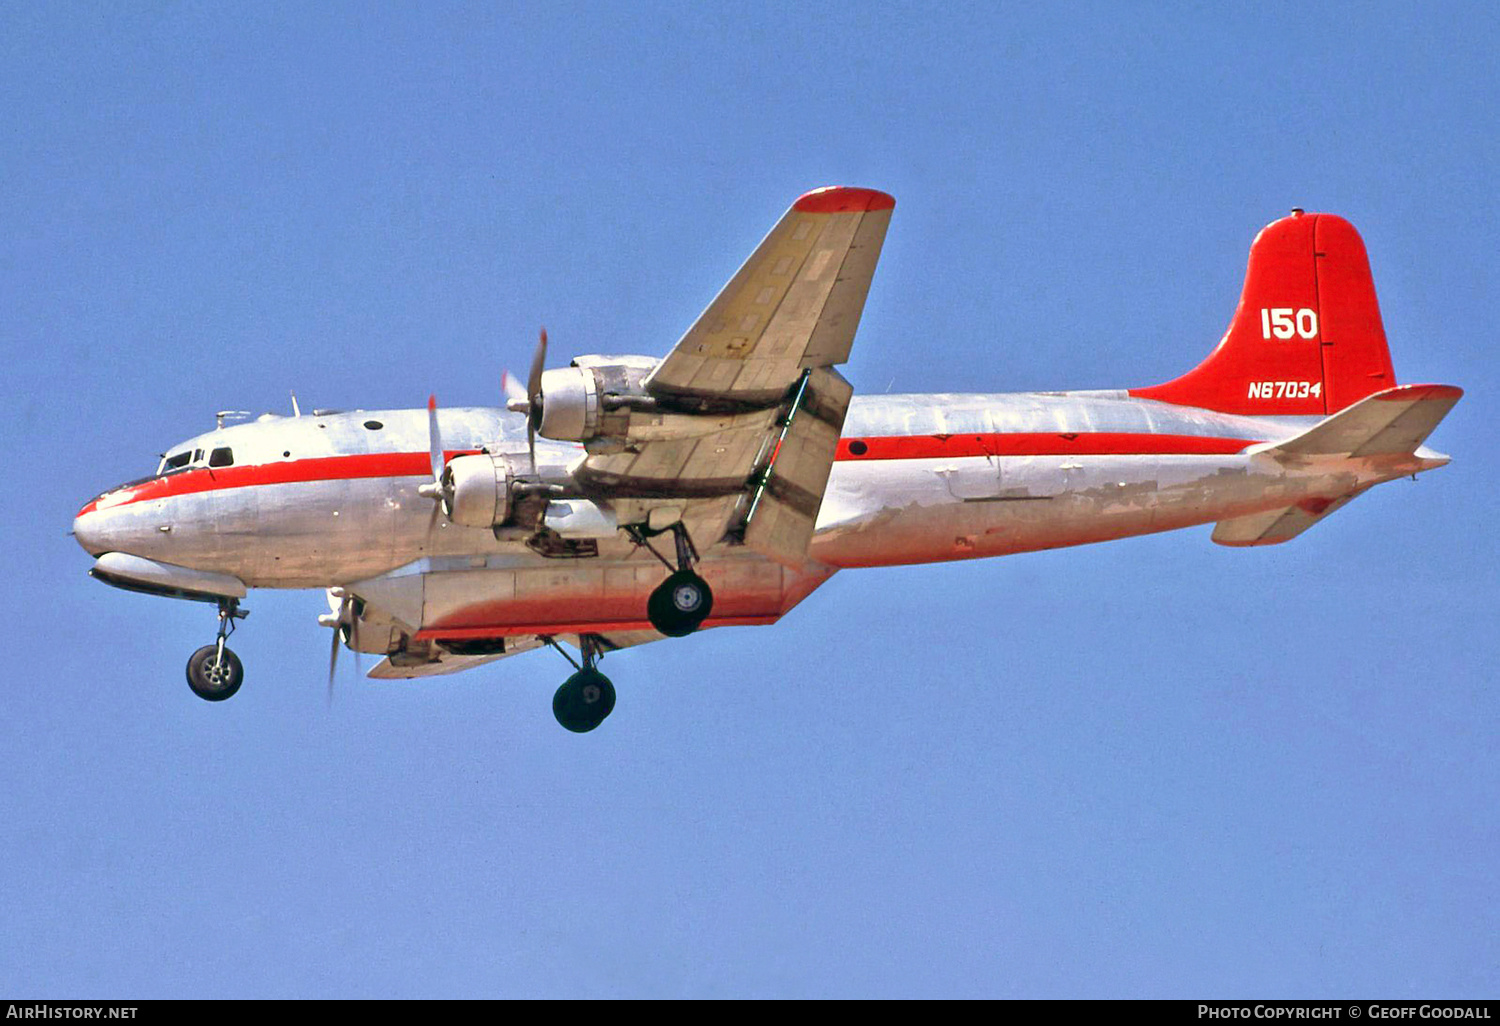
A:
(221, 458)
(374, 425)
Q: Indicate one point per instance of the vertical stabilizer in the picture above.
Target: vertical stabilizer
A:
(1306, 337)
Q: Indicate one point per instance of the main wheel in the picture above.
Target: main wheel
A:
(583, 701)
(680, 604)
(211, 679)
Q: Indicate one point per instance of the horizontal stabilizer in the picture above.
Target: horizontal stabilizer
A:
(1394, 422)
(1277, 525)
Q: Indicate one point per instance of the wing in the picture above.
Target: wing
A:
(440, 662)
(749, 406)
(438, 616)
(794, 305)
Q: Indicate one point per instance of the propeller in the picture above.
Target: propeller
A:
(533, 402)
(341, 615)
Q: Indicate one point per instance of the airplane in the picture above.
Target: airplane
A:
(624, 499)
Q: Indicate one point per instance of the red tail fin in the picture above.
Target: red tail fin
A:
(1306, 337)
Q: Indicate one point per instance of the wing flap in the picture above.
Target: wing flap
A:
(783, 510)
(688, 466)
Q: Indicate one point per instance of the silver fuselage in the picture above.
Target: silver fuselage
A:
(323, 500)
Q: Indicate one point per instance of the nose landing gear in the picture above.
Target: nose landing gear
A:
(587, 697)
(214, 672)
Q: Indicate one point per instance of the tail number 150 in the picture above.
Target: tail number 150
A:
(1283, 322)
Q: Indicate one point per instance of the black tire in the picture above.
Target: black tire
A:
(680, 604)
(210, 680)
(583, 701)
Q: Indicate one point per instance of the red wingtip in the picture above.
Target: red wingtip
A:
(839, 199)
(432, 402)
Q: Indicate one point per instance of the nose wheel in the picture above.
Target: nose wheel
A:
(587, 697)
(214, 672)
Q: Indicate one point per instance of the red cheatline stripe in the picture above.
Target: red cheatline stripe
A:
(1036, 443)
(322, 468)
(892, 447)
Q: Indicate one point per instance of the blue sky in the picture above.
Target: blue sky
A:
(1152, 768)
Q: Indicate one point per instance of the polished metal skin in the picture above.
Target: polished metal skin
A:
(747, 441)
(929, 508)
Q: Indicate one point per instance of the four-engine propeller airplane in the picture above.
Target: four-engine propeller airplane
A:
(722, 484)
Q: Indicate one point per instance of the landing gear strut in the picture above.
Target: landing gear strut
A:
(587, 697)
(681, 603)
(214, 672)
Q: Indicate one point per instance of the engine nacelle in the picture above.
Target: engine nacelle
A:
(477, 490)
(570, 404)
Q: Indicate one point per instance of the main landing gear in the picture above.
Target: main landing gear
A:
(587, 697)
(214, 672)
(677, 607)
(681, 603)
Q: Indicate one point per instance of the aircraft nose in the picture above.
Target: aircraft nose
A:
(91, 530)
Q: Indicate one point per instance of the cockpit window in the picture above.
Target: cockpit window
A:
(176, 461)
(221, 458)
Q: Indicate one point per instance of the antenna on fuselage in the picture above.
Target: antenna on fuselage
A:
(296, 410)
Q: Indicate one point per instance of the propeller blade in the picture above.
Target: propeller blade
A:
(534, 398)
(538, 364)
(342, 612)
(333, 659)
(435, 440)
(514, 391)
(359, 668)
